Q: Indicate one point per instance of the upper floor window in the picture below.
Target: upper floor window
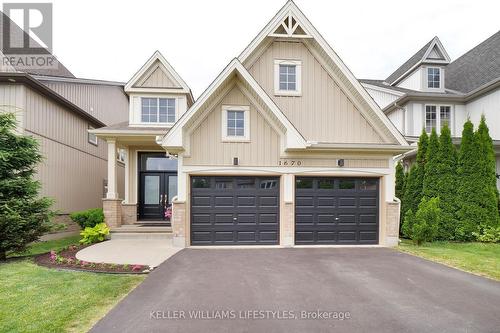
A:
(437, 116)
(157, 110)
(287, 77)
(235, 123)
(91, 137)
(433, 77)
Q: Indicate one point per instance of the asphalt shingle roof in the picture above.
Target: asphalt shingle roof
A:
(475, 68)
(414, 59)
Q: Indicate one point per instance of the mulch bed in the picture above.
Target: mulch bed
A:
(66, 259)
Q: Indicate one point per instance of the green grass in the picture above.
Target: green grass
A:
(38, 299)
(478, 258)
(44, 247)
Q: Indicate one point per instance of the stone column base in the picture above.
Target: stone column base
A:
(287, 222)
(129, 213)
(179, 224)
(112, 212)
(392, 223)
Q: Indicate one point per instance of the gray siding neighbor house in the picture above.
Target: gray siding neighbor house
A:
(57, 109)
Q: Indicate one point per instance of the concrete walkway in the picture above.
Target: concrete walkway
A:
(151, 252)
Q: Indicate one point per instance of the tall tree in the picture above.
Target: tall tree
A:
(470, 213)
(487, 171)
(414, 183)
(400, 180)
(430, 188)
(24, 216)
(447, 184)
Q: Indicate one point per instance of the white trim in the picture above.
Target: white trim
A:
(425, 79)
(90, 131)
(129, 87)
(387, 90)
(135, 109)
(290, 7)
(246, 123)
(298, 77)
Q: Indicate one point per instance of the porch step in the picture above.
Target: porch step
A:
(141, 232)
(153, 223)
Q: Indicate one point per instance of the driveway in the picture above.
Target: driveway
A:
(272, 290)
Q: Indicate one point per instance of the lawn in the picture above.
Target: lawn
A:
(38, 299)
(478, 258)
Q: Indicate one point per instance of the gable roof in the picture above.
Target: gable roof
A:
(148, 68)
(475, 68)
(346, 79)
(174, 139)
(17, 35)
(424, 55)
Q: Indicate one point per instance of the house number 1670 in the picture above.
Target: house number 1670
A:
(290, 163)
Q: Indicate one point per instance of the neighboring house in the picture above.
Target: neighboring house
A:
(284, 147)
(58, 109)
(430, 90)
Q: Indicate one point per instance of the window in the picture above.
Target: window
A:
(433, 77)
(157, 110)
(436, 116)
(430, 118)
(91, 137)
(444, 115)
(287, 77)
(304, 183)
(347, 184)
(157, 162)
(235, 123)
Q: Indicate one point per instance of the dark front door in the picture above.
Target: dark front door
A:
(157, 185)
(157, 191)
(336, 210)
(234, 210)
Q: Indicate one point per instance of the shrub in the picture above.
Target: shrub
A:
(95, 234)
(88, 218)
(24, 214)
(489, 235)
(423, 226)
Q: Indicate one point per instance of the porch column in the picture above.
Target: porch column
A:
(127, 180)
(112, 174)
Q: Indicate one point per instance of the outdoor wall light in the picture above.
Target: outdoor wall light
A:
(235, 161)
(340, 162)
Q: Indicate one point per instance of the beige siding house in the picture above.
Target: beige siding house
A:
(57, 109)
(285, 148)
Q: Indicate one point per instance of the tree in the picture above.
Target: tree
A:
(24, 216)
(423, 225)
(487, 172)
(431, 177)
(447, 184)
(414, 183)
(470, 213)
(400, 180)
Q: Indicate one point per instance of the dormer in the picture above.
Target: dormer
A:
(158, 95)
(424, 71)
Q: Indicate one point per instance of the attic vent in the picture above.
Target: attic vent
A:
(290, 27)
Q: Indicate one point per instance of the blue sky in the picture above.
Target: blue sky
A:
(110, 40)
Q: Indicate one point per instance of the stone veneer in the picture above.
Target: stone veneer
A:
(392, 223)
(129, 213)
(112, 212)
(179, 223)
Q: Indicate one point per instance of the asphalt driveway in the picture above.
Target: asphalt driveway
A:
(281, 290)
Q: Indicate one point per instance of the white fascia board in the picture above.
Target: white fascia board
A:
(156, 56)
(309, 28)
(436, 42)
(381, 89)
(174, 138)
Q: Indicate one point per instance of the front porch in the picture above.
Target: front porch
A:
(146, 210)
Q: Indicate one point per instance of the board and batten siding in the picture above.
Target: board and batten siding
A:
(382, 98)
(323, 112)
(158, 79)
(108, 103)
(207, 147)
(73, 170)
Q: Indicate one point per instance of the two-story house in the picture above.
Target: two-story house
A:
(284, 147)
(57, 109)
(429, 90)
